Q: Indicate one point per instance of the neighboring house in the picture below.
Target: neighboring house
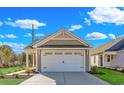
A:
(110, 54)
(59, 52)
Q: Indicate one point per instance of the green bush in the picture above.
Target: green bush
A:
(15, 70)
(16, 75)
(28, 71)
(94, 70)
(1, 75)
(9, 72)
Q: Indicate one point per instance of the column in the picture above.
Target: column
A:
(27, 60)
(84, 60)
(33, 61)
(89, 59)
(103, 55)
(36, 58)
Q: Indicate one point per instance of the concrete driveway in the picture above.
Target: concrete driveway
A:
(65, 78)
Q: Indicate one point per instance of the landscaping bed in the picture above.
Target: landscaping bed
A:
(11, 69)
(15, 76)
(111, 76)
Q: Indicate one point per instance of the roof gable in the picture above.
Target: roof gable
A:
(106, 46)
(60, 36)
(118, 46)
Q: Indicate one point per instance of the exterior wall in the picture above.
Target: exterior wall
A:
(119, 59)
(39, 60)
(95, 60)
(112, 63)
(87, 61)
(61, 42)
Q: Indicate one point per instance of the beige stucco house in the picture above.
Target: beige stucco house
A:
(110, 55)
(59, 52)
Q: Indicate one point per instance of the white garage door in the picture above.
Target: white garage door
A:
(63, 62)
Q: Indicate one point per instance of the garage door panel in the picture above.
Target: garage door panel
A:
(61, 69)
(63, 62)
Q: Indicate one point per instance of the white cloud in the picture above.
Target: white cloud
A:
(8, 36)
(39, 35)
(107, 15)
(26, 23)
(1, 23)
(75, 27)
(17, 47)
(9, 19)
(28, 35)
(11, 36)
(2, 36)
(87, 21)
(95, 36)
(112, 36)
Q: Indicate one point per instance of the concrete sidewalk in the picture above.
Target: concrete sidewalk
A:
(39, 79)
(69, 78)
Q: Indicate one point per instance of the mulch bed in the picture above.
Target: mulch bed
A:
(15, 76)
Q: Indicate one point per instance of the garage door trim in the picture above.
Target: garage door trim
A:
(83, 63)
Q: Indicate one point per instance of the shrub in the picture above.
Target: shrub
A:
(122, 70)
(94, 70)
(15, 70)
(9, 72)
(33, 71)
(28, 71)
(16, 75)
(1, 75)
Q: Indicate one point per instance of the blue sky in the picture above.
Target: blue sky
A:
(95, 25)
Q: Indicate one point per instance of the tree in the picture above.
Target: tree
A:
(6, 54)
(21, 58)
(1, 56)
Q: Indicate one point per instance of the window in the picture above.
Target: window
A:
(47, 53)
(108, 58)
(68, 53)
(77, 53)
(58, 53)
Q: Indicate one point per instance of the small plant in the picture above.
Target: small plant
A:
(122, 70)
(94, 70)
(16, 75)
(28, 71)
(9, 71)
(15, 70)
(1, 75)
(33, 71)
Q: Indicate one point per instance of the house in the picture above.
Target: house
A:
(109, 55)
(59, 52)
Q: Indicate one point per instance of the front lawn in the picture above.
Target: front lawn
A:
(111, 76)
(11, 69)
(10, 81)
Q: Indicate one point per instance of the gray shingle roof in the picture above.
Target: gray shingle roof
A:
(106, 46)
(118, 46)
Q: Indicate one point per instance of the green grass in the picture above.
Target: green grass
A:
(110, 76)
(11, 69)
(14, 81)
